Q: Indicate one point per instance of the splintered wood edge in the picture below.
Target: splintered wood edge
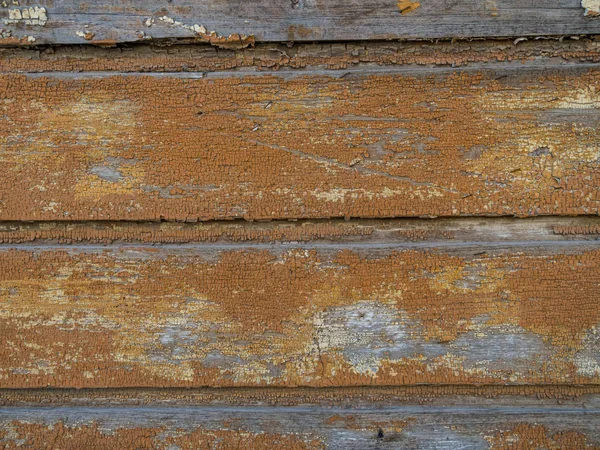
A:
(90, 146)
(407, 232)
(275, 57)
(549, 395)
(281, 304)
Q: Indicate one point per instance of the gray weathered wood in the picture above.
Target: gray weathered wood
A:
(84, 21)
(414, 427)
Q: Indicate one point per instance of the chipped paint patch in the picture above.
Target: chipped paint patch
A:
(28, 16)
(107, 173)
(87, 35)
(592, 7)
(367, 333)
(407, 6)
(233, 41)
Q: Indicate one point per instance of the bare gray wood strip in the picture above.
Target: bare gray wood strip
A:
(415, 427)
(227, 22)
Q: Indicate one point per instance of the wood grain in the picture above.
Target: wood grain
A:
(416, 427)
(514, 139)
(109, 22)
(359, 305)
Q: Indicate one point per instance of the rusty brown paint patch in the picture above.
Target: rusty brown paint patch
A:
(354, 423)
(307, 147)
(272, 57)
(577, 230)
(150, 317)
(532, 436)
(407, 6)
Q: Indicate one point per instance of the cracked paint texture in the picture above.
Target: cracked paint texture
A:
(143, 316)
(267, 147)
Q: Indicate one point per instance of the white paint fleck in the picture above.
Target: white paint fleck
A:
(592, 7)
(29, 16)
(587, 360)
(368, 333)
(586, 98)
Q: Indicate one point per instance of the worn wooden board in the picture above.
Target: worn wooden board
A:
(274, 57)
(347, 397)
(226, 23)
(418, 427)
(359, 304)
(506, 139)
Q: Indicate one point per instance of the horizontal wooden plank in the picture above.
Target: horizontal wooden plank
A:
(301, 428)
(420, 233)
(236, 22)
(515, 139)
(353, 397)
(274, 57)
(393, 306)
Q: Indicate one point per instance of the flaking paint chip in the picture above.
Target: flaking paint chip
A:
(592, 8)
(407, 6)
(87, 35)
(28, 16)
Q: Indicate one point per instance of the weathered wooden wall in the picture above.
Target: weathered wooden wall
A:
(215, 241)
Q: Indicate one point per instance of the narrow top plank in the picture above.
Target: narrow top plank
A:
(240, 23)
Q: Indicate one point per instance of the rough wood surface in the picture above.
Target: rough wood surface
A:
(512, 302)
(362, 397)
(33, 22)
(511, 139)
(414, 427)
(457, 332)
(273, 57)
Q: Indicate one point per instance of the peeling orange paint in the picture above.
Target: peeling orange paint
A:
(146, 317)
(273, 57)
(407, 6)
(530, 436)
(94, 148)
